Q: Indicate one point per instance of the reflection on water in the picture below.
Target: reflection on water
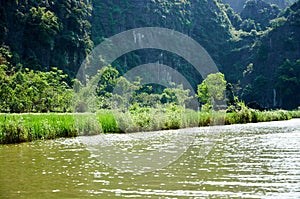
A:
(140, 152)
(239, 161)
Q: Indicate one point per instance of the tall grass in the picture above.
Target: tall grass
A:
(16, 128)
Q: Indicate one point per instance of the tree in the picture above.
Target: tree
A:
(107, 81)
(212, 89)
(30, 91)
(177, 95)
(43, 24)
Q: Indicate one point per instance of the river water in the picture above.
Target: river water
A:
(239, 161)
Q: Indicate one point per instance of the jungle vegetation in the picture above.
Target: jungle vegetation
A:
(256, 48)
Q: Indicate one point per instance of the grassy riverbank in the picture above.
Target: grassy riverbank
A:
(16, 128)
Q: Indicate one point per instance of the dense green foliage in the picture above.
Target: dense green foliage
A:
(41, 34)
(145, 112)
(262, 51)
(41, 41)
(260, 13)
(112, 91)
(32, 91)
(288, 84)
(212, 89)
(239, 4)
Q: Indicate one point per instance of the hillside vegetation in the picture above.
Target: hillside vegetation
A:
(255, 43)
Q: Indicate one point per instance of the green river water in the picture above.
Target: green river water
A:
(239, 161)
